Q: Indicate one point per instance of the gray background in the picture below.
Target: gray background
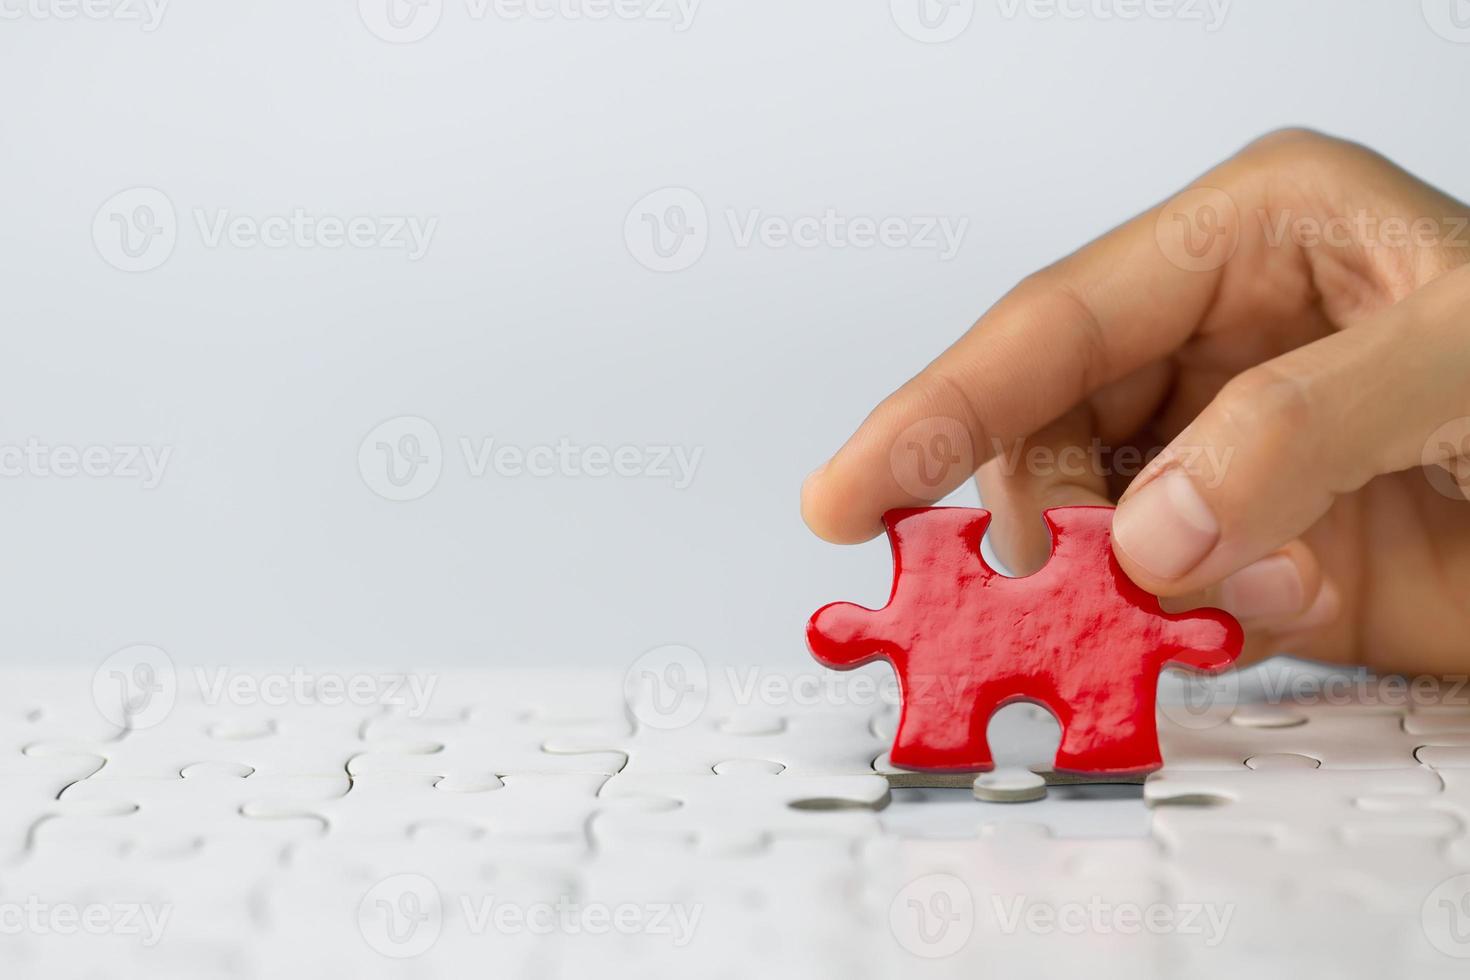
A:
(530, 318)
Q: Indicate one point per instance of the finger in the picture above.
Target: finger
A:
(1100, 314)
(1055, 467)
(1060, 466)
(1267, 458)
(1281, 594)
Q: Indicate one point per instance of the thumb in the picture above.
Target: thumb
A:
(1281, 441)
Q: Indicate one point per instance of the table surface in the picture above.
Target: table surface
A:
(418, 825)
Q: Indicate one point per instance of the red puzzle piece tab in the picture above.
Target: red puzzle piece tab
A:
(1078, 637)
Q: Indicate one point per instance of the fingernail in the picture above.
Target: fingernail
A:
(1166, 528)
(1266, 589)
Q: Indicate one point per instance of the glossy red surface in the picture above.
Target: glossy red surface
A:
(1078, 637)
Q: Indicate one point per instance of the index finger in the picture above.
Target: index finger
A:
(1124, 300)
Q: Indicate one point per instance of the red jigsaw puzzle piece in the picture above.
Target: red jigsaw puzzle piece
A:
(1078, 637)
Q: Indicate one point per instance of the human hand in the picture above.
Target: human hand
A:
(1287, 343)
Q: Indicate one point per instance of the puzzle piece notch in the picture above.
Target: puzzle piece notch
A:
(740, 807)
(1295, 808)
(385, 807)
(178, 815)
(295, 740)
(830, 741)
(482, 745)
(1335, 736)
(1078, 637)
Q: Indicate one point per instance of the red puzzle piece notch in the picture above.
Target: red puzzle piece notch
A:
(1078, 637)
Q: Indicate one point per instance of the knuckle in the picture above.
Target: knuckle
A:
(1297, 148)
(1052, 297)
(1290, 137)
(1267, 399)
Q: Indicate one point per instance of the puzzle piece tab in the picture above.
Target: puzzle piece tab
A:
(1078, 637)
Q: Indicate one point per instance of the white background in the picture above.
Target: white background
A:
(530, 319)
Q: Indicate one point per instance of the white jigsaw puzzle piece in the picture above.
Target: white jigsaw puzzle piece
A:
(297, 740)
(1014, 901)
(481, 746)
(389, 807)
(836, 741)
(784, 911)
(1338, 737)
(173, 816)
(433, 905)
(1308, 809)
(553, 697)
(741, 806)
